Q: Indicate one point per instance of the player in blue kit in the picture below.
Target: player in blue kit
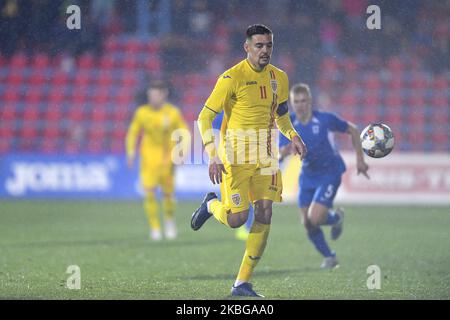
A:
(322, 168)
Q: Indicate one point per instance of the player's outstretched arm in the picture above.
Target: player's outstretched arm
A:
(216, 167)
(361, 165)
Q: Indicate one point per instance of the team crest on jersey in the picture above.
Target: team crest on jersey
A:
(274, 85)
(315, 129)
(236, 198)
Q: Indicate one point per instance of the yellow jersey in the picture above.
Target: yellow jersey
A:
(156, 126)
(249, 99)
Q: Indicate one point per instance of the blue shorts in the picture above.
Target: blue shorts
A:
(321, 191)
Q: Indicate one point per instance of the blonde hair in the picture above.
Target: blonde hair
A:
(301, 88)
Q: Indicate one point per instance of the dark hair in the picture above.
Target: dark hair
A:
(257, 29)
(159, 84)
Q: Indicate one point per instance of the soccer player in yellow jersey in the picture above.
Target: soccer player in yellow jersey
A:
(253, 95)
(156, 121)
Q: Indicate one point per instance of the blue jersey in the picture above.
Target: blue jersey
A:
(322, 158)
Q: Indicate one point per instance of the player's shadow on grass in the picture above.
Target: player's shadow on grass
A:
(262, 273)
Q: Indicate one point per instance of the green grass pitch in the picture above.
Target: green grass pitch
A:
(109, 242)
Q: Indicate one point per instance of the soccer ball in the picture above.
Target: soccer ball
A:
(377, 140)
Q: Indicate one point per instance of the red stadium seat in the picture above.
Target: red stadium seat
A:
(440, 139)
(440, 83)
(372, 82)
(83, 77)
(129, 80)
(38, 77)
(31, 113)
(329, 65)
(56, 96)
(7, 130)
(41, 61)
(28, 135)
(419, 81)
(11, 96)
(416, 100)
(5, 145)
(394, 99)
(440, 117)
(416, 117)
(76, 112)
(350, 65)
(371, 100)
(78, 95)
(98, 114)
(396, 65)
(107, 62)
(96, 138)
(393, 117)
(125, 98)
(105, 78)
(153, 47)
(102, 97)
(49, 145)
(112, 45)
(133, 47)
(19, 60)
(60, 78)
(121, 114)
(153, 64)
(16, 77)
(130, 62)
(8, 113)
(370, 115)
(440, 100)
(3, 61)
(349, 99)
(86, 61)
(117, 146)
(396, 82)
(53, 112)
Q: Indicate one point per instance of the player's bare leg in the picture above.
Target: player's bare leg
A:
(312, 218)
(255, 245)
(212, 206)
(319, 214)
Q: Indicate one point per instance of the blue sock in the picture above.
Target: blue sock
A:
(318, 239)
(332, 217)
(249, 223)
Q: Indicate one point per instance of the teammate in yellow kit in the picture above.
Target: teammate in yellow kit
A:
(156, 121)
(253, 95)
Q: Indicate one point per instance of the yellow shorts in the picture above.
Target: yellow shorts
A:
(244, 184)
(153, 176)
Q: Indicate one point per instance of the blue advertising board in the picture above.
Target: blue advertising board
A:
(87, 177)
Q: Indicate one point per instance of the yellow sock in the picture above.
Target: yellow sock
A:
(256, 242)
(219, 211)
(168, 207)
(151, 209)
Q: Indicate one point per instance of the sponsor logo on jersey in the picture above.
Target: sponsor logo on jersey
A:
(249, 83)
